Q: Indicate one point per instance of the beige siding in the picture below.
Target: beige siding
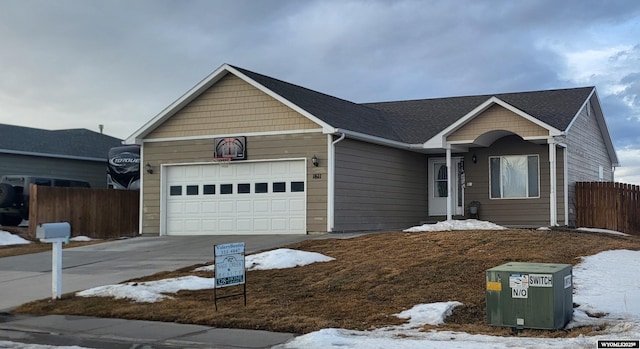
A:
(512, 212)
(378, 187)
(586, 153)
(231, 106)
(303, 145)
(497, 118)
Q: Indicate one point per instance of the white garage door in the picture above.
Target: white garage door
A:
(241, 198)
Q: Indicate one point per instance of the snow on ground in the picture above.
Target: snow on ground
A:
(606, 231)
(607, 283)
(81, 238)
(601, 286)
(155, 291)
(6, 238)
(14, 345)
(467, 224)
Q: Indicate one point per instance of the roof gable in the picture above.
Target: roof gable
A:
(329, 112)
(80, 144)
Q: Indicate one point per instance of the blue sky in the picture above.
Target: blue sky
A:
(77, 64)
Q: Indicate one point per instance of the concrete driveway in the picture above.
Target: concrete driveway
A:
(28, 277)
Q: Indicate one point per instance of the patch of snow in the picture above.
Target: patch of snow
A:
(427, 314)
(467, 224)
(6, 238)
(81, 238)
(149, 291)
(606, 231)
(15, 345)
(281, 258)
(544, 228)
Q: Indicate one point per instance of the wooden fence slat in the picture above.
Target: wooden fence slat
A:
(608, 205)
(96, 213)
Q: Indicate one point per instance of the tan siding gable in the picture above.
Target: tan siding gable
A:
(232, 106)
(497, 118)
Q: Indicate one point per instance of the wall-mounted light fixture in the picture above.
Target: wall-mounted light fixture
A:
(474, 158)
(314, 161)
(148, 168)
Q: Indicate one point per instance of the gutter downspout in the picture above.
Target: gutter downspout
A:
(331, 189)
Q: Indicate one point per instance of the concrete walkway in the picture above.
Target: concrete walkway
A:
(89, 332)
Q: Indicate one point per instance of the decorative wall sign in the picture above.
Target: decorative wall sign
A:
(231, 147)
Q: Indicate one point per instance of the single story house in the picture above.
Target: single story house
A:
(72, 153)
(303, 161)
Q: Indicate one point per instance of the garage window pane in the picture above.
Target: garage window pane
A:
(297, 186)
(226, 188)
(192, 190)
(175, 190)
(244, 188)
(261, 188)
(209, 189)
(279, 187)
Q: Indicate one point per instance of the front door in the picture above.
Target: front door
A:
(438, 186)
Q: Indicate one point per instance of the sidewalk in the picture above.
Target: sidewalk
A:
(90, 332)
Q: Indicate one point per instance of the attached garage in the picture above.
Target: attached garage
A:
(260, 197)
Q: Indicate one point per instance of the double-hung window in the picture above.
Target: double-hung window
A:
(514, 176)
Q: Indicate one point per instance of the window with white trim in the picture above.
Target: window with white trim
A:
(514, 176)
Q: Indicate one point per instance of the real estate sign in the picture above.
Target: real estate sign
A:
(229, 264)
(229, 269)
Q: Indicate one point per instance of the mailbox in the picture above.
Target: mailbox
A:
(48, 231)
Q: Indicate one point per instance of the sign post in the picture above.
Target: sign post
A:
(229, 269)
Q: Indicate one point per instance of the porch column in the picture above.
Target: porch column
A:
(449, 199)
(553, 213)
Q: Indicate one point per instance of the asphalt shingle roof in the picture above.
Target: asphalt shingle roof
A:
(416, 121)
(69, 143)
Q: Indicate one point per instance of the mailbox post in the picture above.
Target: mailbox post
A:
(56, 234)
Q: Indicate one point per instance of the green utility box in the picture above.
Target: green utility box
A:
(530, 295)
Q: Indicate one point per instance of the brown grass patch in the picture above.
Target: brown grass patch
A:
(372, 278)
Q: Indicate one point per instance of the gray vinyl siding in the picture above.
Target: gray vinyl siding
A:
(377, 187)
(302, 145)
(531, 212)
(94, 172)
(586, 153)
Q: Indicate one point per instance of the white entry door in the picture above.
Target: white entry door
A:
(438, 186)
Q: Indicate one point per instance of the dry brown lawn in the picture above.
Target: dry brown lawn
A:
(373, 277)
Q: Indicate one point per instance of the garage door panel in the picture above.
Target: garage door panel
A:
(261, 206)
(226, 206)
(192, 225)
(279, 205)
(297, 205)
(297, 223)
(244, 206)
(209, 207)
(241, 198)
(209, 225)
(227, 225)
(192, 207)
(279, 224)
(262, 224)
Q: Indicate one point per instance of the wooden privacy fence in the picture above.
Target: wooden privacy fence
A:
(608, 205)
(96, 213)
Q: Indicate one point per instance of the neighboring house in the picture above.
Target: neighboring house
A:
(307, 162)
(73, 154)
